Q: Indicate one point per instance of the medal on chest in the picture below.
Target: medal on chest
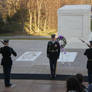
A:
(55, 45)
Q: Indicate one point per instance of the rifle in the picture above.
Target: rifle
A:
(1, 41)
(86, 43)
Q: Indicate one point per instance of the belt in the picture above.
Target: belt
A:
(89, 59)
(53, 50)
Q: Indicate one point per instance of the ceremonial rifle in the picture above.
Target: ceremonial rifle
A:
(85, 43)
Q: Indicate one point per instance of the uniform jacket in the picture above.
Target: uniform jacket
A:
(88, 53)
(53, 50)
(6, 52)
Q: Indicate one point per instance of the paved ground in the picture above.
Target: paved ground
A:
(41, 66)
(36, 86)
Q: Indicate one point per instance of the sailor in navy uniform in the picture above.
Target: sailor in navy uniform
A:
(6, 62)
(53, 52)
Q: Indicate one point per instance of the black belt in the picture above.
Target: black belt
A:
(53, 51)
(89, 59)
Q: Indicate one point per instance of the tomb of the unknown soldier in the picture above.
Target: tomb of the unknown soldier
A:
(74, 22)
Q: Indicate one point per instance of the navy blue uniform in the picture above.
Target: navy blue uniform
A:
(53, 52)
(6, 62)
(88, 53)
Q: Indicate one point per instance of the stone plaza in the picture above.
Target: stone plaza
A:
(40, 65)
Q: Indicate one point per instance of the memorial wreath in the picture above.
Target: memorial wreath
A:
(62, 41)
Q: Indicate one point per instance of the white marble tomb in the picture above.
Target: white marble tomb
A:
(74, 23)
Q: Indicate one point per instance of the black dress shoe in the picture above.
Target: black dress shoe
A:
(55, 75)
(10, 86)
(52, 76)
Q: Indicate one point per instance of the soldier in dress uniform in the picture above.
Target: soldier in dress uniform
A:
(6, 62)
(53, 52)
(88, 53)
